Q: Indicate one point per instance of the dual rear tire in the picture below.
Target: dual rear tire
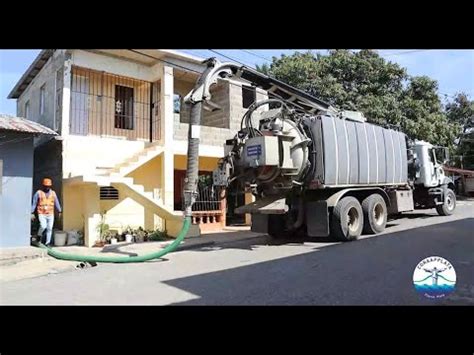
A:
(350, 218)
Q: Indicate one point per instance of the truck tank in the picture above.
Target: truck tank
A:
(349, 152)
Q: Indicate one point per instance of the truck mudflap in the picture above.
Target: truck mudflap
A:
(266, 205)
(259, 223)
(317, 226)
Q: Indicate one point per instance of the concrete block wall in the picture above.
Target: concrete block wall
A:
(220, 125)
(209, 135)
(47, 77)
(218, 118)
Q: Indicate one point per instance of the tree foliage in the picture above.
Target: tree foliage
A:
(383, 91)
(461, 112)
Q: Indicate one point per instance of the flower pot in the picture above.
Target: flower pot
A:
(129, 238)
(99, 244)
(72, 238)
(113, 241)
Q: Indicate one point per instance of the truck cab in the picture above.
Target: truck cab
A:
(429, 160)
(432, 188)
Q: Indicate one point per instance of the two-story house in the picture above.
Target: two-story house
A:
(122, 139)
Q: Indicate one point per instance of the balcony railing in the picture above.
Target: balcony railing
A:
(110, 105)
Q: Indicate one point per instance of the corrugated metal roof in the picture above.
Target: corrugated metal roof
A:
(18, 124)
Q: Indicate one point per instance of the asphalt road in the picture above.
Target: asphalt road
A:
(376, 270)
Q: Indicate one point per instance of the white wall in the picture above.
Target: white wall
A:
(82, 154)
(118, 66)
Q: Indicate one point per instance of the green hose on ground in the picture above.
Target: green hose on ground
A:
(123, 259)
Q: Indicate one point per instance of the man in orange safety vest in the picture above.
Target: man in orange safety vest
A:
(45, 202)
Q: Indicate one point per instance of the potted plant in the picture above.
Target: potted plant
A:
(139, 235)
(157, 236)
(128, 234)
(80, 240)
(113, 238)
(103, 230)
(120, 237)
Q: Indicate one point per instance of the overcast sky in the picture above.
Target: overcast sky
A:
(453, 69)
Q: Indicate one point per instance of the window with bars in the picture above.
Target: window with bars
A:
(94, 103)
(109, 193)
(123, 107)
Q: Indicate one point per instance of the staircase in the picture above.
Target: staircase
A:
(132, 163)
(117, 176)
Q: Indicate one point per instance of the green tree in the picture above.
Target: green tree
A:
(366, 82)
(460, 111)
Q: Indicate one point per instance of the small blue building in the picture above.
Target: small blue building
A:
(16, 178)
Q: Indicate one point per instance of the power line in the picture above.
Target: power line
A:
(230, 58)
(405, 52)
(257, 55)
(164, 61)
(203, 52)
(197, 72)
(234, 60)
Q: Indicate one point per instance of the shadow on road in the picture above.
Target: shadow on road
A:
(369, 271)
(253, 242)
(413, 216)
(116, 249)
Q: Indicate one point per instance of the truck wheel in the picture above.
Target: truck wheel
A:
(347, 219)
(375, 214)
(447, 208)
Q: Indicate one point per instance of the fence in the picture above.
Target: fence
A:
(209, 208)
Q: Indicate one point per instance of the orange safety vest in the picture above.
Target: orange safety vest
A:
(46, 204)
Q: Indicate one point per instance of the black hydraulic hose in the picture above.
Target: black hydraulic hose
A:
(192, 172)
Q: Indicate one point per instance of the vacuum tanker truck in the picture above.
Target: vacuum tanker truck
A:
(320, 171)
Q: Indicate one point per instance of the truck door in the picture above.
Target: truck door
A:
(434, 167)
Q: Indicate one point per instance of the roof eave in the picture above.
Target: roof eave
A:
(44, 55)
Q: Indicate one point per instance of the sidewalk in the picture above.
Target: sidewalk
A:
(10, 256)
(28, 262)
